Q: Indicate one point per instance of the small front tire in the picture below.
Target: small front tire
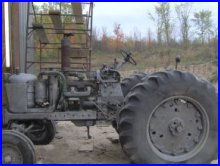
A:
(17, 148)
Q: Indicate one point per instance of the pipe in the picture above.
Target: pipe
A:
(65, 52)
(53, 93)
(55, 73)
(88, 105)
(64, 84)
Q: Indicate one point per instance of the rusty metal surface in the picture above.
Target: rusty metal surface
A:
(80, 43)
(65, 53)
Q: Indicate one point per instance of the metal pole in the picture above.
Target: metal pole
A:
(90, 50)
(26, 36)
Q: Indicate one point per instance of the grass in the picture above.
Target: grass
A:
(157, 57)
(152, 59)
(214, 77)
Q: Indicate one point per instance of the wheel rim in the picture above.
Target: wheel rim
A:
(177, 128)
(11, 154)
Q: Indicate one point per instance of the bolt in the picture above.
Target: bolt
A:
(179, 129)
(200, 127)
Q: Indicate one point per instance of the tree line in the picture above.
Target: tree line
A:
(171, 30)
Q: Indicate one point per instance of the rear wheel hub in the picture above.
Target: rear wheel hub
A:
(177, 128)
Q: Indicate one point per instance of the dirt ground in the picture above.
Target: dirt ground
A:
(70, 139)
(71, 145)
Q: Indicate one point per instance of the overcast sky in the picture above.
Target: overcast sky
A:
(134, 15)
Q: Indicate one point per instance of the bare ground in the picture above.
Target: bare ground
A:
(66, 149)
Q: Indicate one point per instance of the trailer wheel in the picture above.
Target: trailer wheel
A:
(171, 117)
(17, 148)
(43, 132)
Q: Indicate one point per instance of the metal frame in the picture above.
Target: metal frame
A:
(78, 62)
(59, 116)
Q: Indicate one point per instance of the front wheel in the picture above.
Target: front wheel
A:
(171, 117)
(17, 148)
(43, 132)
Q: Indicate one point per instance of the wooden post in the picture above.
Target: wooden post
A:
(15, 35)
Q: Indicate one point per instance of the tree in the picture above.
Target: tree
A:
(137, 39)
(95, 39)
(183, 12)
(165, 11)
(203, 23)
(149, 37)
(157, 19)
(162, 19)
(119, 35)
(104, 38)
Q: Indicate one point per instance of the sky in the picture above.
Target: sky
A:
(133, 16)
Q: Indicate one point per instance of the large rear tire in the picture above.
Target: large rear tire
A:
(126, 85)
(171, 117)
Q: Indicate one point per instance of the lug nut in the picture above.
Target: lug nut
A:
(179, 129)
(199, 127)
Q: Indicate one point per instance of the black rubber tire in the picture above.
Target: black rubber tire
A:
(143, 99)
(46, 136)
(128, 83)
(22, 143)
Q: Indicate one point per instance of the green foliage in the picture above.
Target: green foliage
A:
(203, 22)
(162, 21)
(183, 12)
(214, 77)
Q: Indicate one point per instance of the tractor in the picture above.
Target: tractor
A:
(162, 117)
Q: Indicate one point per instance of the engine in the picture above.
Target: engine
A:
(54, 91)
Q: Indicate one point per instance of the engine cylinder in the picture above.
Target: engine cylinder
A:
(30, 96)
(53, 90)
(40, 91)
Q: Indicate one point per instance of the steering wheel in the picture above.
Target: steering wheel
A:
(128, 57)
